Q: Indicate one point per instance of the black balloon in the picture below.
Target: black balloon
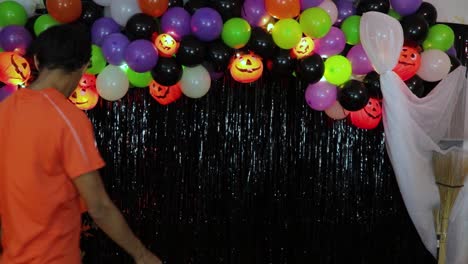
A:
(428, 12)
(167, 72)
(353, 96)
(455, 63)
(193, 5)
(141, 26)
(282, 64)
(227, 8)
(191, 51)
(174, 3)
(261, 43)
(91, 12)
(30, 24)
(416, 85)
(429, 86)
(382, 6)
(219, 54)
(372, 83)
(415, 28)
(311, 69)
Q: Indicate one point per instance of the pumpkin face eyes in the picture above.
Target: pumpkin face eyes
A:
(246, 68)
(408, 63)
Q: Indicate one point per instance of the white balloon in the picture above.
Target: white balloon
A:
(103, 2)
(122, 10)
(29, 6)
(112, 83)
(195, 81)
(435, 65)
(331, 9)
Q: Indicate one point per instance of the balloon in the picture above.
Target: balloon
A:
(429, 86)
(440, 37)
(452, 51)
(102, 28)
(113, 48)
(435, 65)
(306, 4)
(454, 63)
(368, 117)
(195, 81)
(219, 54)
(176, 22)
(214, 75)
(154, 8)
(353, 96)
(141, 26)
(372, 83)
(254, 13)
(304, 48)
(91, 12)
(191, 51)
(359, 61)
(30, 25)
(336, 111)
(174, 3)
(405, 7)
(394, 14)
(12, 13)
(282, 64)
(167, 72)
(246, 68)
(165, 95)
(333, 43)
(337, 70)
(227, 8)
(236, 33)
(408, 62)
(262, 43)
(350, 28)
(122, 10)
(139, 79)
(15, 38)
(141, 55)
(206, 24)
(315, 22)
(416, 85)
(28, 5)
(287, 33)
(112, 83)
(64, 11)
(331, 10)
(282, 9)
(428, 12)
(97, 62)
(345, 9)
(103, 2)
(415, 28)
(44, 22)
(311, 69)
(320, 96)
(193, 5)
(7, 90)
(364, 6)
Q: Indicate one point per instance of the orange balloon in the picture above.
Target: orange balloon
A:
(153, 8)
(283, 8)
(64, 11)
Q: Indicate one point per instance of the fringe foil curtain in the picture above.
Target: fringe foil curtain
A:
(250, 174)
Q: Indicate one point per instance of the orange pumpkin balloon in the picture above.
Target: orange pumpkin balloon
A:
(165, 94)
(64, 11)
(85, 96)
(369, 117)
(304, 48)
(153, 8)
(282, 9)
(166, 45)
(246, 68)
(408, 63)
(14, 69)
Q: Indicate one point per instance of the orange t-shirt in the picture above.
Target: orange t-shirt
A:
(45, 142)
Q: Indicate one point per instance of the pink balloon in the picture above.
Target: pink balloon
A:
(333, 43)
(331, 9)
(359, 60)
(435, 65)
(320, 96)
(336, 111)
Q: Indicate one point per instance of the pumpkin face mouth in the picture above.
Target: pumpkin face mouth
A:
(302, 50)
(164, 95)
(372, 110)
(372, 115)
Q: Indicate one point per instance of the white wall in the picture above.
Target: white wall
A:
(453, 11)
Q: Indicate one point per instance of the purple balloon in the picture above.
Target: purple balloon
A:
(406, 7)
(254, 13)
(176, 22)
(345, 9)
(310, 3)
(113, 48)
(359, 60)
(320, 96)
(15, 38)
(102, 28)
(206, 24)
(6, 91)
(141, 55)
(333, 43)
(452, 51)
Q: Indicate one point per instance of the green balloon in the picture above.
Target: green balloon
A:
(440, 37)
(97, 62)
(12, 13)
(350, 28)
(236, 33)
(337, 70)
(394, 14)
(1, 50)
(315, 22)
(44, 22)
(138, 79)
(287, 33)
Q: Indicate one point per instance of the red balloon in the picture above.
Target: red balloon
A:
(283, 8)
(64, 11)
(165, 94)
(153, 8)
(14, 69)
(369, 117)
(409, 62)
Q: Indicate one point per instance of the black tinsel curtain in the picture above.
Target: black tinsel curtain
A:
(250, 174)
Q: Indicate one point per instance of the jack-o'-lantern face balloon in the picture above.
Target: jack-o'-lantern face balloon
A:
(408, 63)
(166, 45)
(85, 96)
(165, 94)
(304, 48)
(14, 69)
(369, 117)
(246, 68)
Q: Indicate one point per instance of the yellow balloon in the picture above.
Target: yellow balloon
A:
(337, 70)
(287, 33)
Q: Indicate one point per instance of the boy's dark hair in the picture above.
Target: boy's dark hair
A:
(66, 47)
